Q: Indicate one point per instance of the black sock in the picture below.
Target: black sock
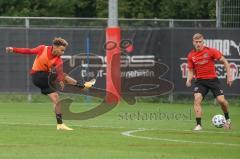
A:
(226, 115)
(59, 118)
(198, 120)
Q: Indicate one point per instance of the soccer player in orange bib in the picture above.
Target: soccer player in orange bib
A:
(47, 58)
(201, 64)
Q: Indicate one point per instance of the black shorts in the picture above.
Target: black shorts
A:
(40, 79)
(204, 85)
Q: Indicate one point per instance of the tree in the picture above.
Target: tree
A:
(176, 9)
(50, 8)
(185, 9)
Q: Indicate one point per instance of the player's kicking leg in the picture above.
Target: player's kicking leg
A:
(224, 105)
(86, 85)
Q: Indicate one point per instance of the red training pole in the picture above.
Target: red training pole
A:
(113, 71)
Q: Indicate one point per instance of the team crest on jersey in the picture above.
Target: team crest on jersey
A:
(205, 55)
(195, 89)
(221, 91)
(193, 59)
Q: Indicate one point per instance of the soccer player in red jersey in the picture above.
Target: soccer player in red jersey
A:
(201, 64)
(47, 58)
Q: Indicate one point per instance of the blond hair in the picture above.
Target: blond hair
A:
(197, 36)
(58, 41)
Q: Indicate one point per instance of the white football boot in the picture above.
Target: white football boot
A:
(63, 127)
(197, 128)
(227, 125)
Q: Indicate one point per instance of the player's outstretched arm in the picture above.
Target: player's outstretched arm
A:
(189, 78)
(224, 61)
(9, 49)
(24, 50)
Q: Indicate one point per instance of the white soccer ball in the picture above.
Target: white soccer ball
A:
(218, 120)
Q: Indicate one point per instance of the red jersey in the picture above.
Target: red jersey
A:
(203, 62)
(44, 61)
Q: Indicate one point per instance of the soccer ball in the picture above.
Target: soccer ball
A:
(218, 120)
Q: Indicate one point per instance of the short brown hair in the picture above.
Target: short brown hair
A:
(197, 36)
(60, 42)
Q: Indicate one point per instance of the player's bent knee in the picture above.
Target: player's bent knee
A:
(198, 99)
(54, 97)
(221, 100)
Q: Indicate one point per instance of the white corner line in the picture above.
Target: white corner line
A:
(131, 132)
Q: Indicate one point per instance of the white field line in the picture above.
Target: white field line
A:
(131, 132)
(112, 127)
(41, 124)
